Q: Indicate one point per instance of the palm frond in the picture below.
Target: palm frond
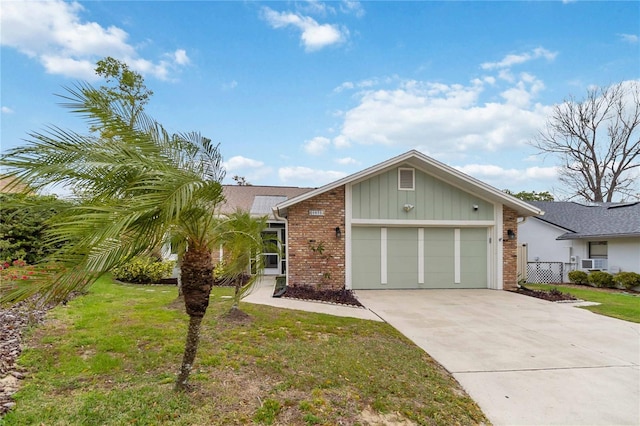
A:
(140, 185)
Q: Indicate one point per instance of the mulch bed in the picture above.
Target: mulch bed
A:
(14, 321)
(553, 295)
(342, 297)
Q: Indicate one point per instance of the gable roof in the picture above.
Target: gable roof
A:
(603, 220)
(432, 167)
(258, 200)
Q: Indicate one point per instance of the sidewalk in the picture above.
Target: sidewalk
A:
(263, 291)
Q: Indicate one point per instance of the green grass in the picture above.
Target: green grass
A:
(621, 305)
(110, 358)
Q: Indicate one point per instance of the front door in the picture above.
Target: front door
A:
(270, 253)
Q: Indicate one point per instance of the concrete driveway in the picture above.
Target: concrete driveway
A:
(525, 361)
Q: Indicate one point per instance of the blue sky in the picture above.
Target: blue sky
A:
(303, 93)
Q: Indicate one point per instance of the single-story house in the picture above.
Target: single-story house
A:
(410, 222)
(602, 236)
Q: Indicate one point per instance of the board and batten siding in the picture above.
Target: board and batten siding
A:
(379, 198)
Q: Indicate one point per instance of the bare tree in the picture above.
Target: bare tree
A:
(598, 142)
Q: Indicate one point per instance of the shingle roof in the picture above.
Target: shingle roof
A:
(257, 199)
(602, 220)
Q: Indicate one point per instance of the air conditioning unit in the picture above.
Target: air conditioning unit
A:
(573, 259)
(594, 263)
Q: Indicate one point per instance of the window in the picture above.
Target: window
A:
(597, 249)
(406, 179)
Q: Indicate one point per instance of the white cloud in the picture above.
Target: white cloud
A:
(347, 85)
(314, 36)
(7, 110)
(516, 59)
(252, 170)
(352, 7)
(524, 91)
(347, 161)
(629, 38)
(314, 7)
(363, 84)
(180, 57)
(317, 145)
(301, 176)
(239, 162)
(54, 33)
(445, 118)
(503, 178)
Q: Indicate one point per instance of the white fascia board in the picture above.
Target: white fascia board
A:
(425, 223)
(430, 166)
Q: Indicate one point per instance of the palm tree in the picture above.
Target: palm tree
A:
(141, 186)
(241, 236)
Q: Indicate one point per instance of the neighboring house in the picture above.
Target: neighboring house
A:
(410, 222)
(259, 201)
(603, 236)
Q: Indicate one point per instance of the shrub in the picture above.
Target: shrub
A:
(23, 224)
(578, 277)
(143, 270)
(601, 279)
(627, 280)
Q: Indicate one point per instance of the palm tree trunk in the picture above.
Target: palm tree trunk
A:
(190, 350)
(197, 277)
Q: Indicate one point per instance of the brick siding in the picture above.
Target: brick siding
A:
(509, 249)
(305, 266)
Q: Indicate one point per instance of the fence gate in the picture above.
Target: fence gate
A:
(521, 261)
(544, 272)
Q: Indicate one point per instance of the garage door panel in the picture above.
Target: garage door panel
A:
(403, 269)
(402, 257)
(473, 258)
(366, 258)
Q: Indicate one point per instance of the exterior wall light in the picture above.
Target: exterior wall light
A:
(407, 207)
(338, 232)
(510, 234)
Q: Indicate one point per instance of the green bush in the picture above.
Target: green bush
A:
(627, 280)
(601, 279)
(143, 270)
(578, 277)
(23, 225)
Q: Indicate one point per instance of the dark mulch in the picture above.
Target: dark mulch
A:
(343, 297)
(238, 316)
(553, 295)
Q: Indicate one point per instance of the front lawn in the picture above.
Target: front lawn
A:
(110, 357)
(613, 303)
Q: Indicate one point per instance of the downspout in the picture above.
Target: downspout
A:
(276, 214)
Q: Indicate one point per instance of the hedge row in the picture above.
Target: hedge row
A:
(143, 270)
(626, 280)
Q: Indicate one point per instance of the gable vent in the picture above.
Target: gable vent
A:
(406, 179)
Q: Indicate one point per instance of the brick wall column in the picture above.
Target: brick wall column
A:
(316, 256)
(509, 249)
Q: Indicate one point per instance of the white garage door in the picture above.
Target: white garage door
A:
(410, 258)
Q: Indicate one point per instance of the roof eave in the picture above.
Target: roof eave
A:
(599, 236)
(521, 207)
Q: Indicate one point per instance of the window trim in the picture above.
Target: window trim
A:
(598, 243)
(413, 178)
